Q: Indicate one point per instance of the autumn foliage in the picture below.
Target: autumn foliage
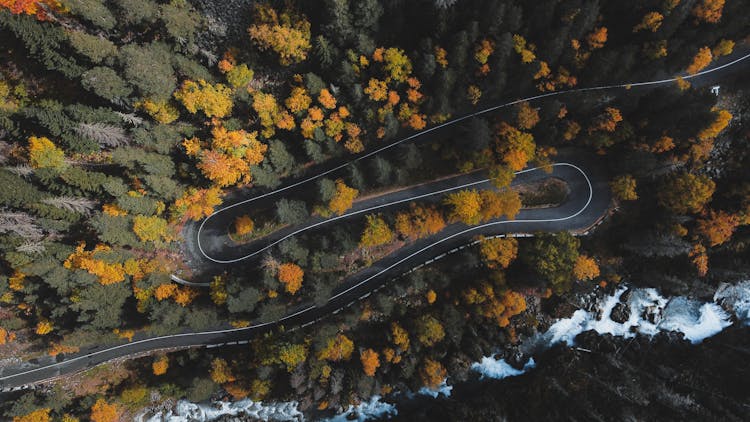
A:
(231, 155)
(465, 206)
(433, 373)
(343, 198)
(376, 232)
(419, 222)
(700, 61)
(699, 259)
(515, 147)
(496, 204)
(243, 225)
(45, 154)
(624, 188)
(400, 336)
(337, 348)
(686, 193)
(651, 21)
(290, 275)
(370, 361)
(498, 252)
(212, 100)
(39, 415)
(527, 117)
(524, 49)
(220, 371)
(160, 365)
(585, 268)
(709, 10)
(102, 411)
(717, 227)
(108, 273)
(597, 38)
(196, 204)
(606, 121)
(287, 34)
(38, 8)
(722, 120)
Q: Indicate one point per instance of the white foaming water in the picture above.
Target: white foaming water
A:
(366, 410)
(443, 389)
(489, 367)
(648, 313)
(187, 411)
(735, 298)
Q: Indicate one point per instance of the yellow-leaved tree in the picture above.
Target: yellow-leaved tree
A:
(45, 154)
(287, 34)
(376, 232)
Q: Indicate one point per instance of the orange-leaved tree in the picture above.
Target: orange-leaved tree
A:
(419, 221)
(525, 50)
(709, 10)
(39, 415)
(376, 89)
(597, 38)
(516, 147)
(290, 275)
(38, 8)
(527, 117)
(343, 198)
(496, 204)
(370, 361)
(298, 100)
(651, 21)
(700, 61)
(220, 371)
(243, 225)
(718, 227)
(721, 121)
(102, 411)
(160, 365)
(433, 373)
(498, 252)
(399, 336)
(606, 121)
(585, 268)
(196, 204)
(326, 99)
(288, 35)
(465, 206)
(337, 348)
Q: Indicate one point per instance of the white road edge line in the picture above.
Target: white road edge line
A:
(231, 330)
(360, 158)
(442, 125)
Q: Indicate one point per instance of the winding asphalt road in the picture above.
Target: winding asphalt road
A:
(589, 198)
(587, 201)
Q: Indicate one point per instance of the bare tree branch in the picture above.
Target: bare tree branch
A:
(105, 135)
(78, 205)
(21, 224)
(22, 170)
(130, 118)
(31, 247)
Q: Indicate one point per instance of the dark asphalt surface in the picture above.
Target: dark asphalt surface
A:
(591, 202)
(370, 279)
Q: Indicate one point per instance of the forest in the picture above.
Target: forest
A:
(124, 124)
